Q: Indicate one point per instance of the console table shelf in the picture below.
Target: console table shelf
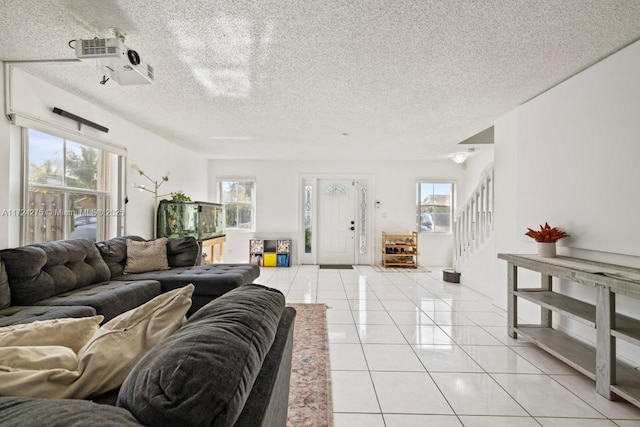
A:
(562, 304)
(599, 361)
(573, 352)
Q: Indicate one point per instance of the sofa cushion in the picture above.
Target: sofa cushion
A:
(71, 333)
(213, 279)
(203, 373)
(27, 412)
(43, 270)
(5, 291)
(109, 298)
(181, 252)
(146, 256)
(16, 315)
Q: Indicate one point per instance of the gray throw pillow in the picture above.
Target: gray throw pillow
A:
(146, 256)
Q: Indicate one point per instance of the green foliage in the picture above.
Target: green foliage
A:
(307, 240)
(179, 196)
(44, 173)
(82, 170)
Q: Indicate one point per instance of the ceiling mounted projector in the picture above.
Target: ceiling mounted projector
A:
(118, 61)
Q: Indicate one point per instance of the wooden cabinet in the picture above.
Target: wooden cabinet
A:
(400, 250)
(599, 361)
(270, 252)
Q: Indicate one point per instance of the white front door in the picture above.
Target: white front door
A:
(336, 221)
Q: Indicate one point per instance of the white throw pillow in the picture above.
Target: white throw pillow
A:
(38, 357)
(67, 332)
(146, 256)
(107, 358)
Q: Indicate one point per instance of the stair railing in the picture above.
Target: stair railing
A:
(473, 223)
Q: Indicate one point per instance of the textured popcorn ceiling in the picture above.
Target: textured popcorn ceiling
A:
(285, 79)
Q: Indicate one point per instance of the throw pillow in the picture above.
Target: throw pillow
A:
(69, 332)
(38, 357)
(107, 357)
(146, 256)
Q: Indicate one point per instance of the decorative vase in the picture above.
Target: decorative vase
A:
(547, 250)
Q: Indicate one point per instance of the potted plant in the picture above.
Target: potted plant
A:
(546, 238)
(179, 196)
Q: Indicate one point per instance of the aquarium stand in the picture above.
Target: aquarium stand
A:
(208, 250)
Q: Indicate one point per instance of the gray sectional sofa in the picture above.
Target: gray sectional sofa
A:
(228, 365)
(76, 278)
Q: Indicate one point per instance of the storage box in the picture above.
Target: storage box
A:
(450, 276)
(270, 260)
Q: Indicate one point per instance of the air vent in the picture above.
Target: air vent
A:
(94, 47)
(113, 57)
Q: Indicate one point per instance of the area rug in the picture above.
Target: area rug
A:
(310, 401)
(418, 269)
(336, 266)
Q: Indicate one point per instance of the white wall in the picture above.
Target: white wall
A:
(152, 153)
(527, 194)
(588, 129)
(278, 202)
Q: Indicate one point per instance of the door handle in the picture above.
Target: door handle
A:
(352, 228)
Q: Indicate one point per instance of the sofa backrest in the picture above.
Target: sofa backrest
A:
(42, 270)
(181, 252)
(5, 291)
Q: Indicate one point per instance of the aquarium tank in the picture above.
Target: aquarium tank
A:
(202, 220)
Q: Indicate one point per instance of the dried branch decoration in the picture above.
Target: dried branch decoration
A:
(546, 234)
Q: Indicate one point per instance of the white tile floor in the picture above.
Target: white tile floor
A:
(408, 349)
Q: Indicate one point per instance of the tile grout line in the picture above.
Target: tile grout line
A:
(373, 384)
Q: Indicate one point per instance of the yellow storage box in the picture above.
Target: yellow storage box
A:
(269, 260)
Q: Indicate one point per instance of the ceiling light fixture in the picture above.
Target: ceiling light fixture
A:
(459, 157)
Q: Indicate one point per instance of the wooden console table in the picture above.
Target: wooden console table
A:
(212, 243)
(598, 362)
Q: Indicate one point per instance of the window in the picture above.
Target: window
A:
(434, 206)
(308, 216)
(68, 190)
(238, 198)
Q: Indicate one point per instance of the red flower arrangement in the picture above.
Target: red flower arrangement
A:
(546, 234)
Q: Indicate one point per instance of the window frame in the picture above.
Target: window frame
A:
(108, 190)
(252, 203)
(419, 205)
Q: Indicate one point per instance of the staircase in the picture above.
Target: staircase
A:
(473, 223)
